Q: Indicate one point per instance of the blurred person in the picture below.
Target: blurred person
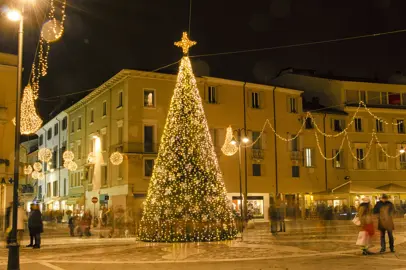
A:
(21, 217)
(274, 217)
(71, 225)
(384, 210)
(32, 236)
(366, 226)
(281, 217)
(36, 225)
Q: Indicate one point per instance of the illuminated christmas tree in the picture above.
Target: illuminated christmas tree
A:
(187, 199)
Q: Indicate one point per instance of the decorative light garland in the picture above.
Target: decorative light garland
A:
(41, 176)
(66, 164)
(228, 148)
(116, 158)
(27, 169)
(30, 122)
(44, 154)
(72, 166)
(34, 175)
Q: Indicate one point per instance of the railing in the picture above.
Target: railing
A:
(27, 189)
(295, 155)
(257, 154)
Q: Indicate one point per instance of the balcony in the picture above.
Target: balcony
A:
(136, 148)
(295, 155)
(27, 189)
(257, 154)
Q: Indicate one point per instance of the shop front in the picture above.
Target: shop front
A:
(257, 205)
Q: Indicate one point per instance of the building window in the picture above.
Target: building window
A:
(104, 175)
(149, 98)
(55, 157)
(79, 123)
(120, 135)
(294, 144)
(338, 160)
(256, 140)
(355, 96)
(293, 105)
(104, 108)
(213, 134)
(49, 191)
(212, 94)
(379, 125)
(64, 187)
(255, 101)
(148, 167)
(55, 189)
(382, 158)
(61, 151)
(338, 125)
(295, 171)
(360, 159)
(49, 134)
(384, 98)
(79, 151)
(41, 139)
(120, 100)
(394, 99)
(56, 129)
(91, 116)
(149, 146)
(256, 169)
(309, 157)
(64, 123)
(401, 126)
(358, 124)
(309, 123)
(104, 142)
(72, 128)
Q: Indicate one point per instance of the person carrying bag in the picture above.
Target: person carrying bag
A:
(366, 226)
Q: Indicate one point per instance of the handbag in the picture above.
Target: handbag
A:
(356, 221)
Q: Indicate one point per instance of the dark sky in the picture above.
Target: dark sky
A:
(104, 36)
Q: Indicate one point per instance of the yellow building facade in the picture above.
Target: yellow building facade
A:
(8, 81)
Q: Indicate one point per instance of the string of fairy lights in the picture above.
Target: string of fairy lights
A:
(229, 147)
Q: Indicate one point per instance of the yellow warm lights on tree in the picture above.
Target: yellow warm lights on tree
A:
(44, 154)
(116, 158)
(37, 166)
(30, 122)
(68, 155)
(228, 147)
(187, 199)
(27, 169)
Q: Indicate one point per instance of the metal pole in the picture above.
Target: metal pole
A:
(245, 155)
(13, 247)
(239, 169)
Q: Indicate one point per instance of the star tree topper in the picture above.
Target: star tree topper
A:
(185, 43)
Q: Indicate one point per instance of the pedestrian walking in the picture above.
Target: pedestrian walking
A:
(32, 236)
(384, 210)
(282, 211)
(71, 225)
(36, 225)
(273, 215)
(366, 226)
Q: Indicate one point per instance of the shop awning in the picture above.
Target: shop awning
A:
(393, 188)
(352, 188)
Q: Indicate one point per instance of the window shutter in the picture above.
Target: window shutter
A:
(395, 127)
(249, 99)
(217, 95)
(300, 141)
(365, 124)
(299, 104)
(354, 161)
(397, 159)
(262, 99)
(289, 143)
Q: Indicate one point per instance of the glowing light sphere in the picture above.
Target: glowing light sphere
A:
(68, 155)
(34, 175)
(27, 169)
(91, 158)
(66, 163)
(44, 154)
(72, 166)
(41, 176)
(116, 158)
(52, 30)
(37, 166)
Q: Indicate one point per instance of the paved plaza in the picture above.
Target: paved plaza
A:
(305, 245)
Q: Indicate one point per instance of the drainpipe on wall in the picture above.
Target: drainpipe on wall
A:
(325, 151)
(58, 157)
(276, 145)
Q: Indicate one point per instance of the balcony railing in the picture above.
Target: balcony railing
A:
(257, 154)
(136, 148)
(295, 155)
(27, 189)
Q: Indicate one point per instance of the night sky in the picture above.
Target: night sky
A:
(104, 36)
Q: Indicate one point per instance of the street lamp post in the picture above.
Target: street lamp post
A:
(13, 246)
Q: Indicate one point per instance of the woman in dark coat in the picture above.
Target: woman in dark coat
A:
(36, 226)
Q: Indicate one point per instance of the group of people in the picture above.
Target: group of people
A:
(35, 225)
(80, 225)
(383, 210)
(277, 215)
